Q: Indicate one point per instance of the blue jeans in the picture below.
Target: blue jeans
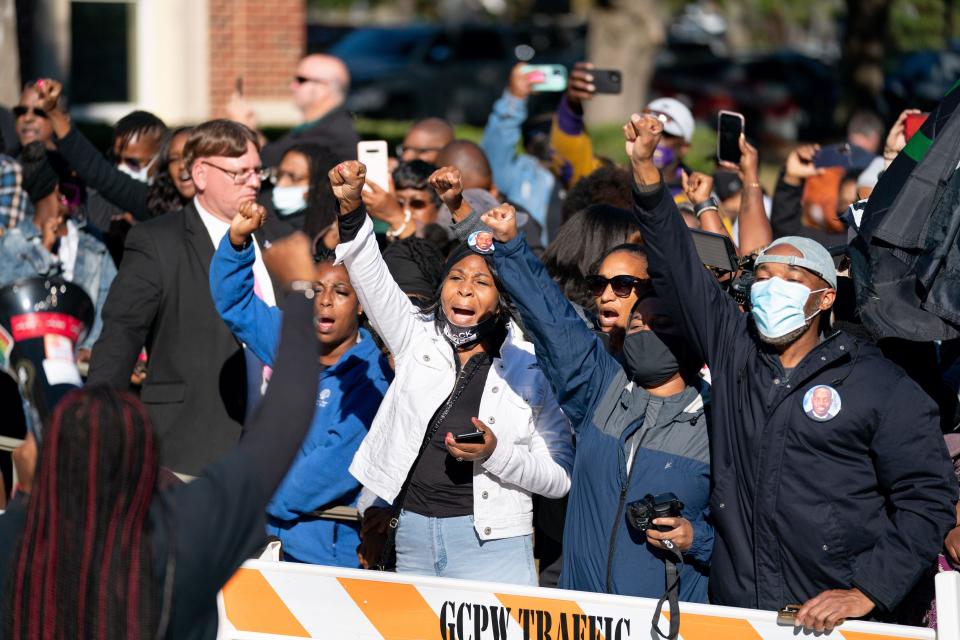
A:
(451, 548)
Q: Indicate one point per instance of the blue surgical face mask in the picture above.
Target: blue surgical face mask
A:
(663, 156)
(777, 306)
(289, 200)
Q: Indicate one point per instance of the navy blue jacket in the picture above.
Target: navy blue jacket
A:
(601, 552)
(800, 505)
(348, 397)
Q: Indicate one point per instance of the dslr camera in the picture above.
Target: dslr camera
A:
(643, 512)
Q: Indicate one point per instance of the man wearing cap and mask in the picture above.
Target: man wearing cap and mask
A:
(841, 515)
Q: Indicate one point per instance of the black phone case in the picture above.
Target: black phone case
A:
(608, 81)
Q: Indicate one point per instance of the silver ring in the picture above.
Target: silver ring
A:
(459, 459)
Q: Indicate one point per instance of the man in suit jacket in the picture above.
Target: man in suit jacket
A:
(319, 89)
(199, 376)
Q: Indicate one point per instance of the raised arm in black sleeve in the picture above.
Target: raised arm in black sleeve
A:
(218, 519)
(786, 212)
(117, 187)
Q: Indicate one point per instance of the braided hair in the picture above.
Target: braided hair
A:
(84, 567)
(136, 124)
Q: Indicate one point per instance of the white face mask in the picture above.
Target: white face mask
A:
(141, 175)
(289, 200)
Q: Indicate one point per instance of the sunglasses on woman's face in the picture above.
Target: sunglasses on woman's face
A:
(19, 111)
(622, 285)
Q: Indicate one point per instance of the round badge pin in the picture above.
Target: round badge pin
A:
(821, 403)
(481, 242)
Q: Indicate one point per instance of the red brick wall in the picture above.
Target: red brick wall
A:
(259, 40)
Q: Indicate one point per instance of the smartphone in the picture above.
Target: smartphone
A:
(554, 77)
(729, 129)
(238, 85)
(474, 437)
(715, 250)
(835, 155)
(913, 123)
(373, 155)
(607, 80)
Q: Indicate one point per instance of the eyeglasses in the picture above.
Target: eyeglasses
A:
(20, 111)
(413, 203)
(622, 285)
(417, 151)
(242, 177)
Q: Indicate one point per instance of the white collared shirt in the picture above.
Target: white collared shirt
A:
(217, 228)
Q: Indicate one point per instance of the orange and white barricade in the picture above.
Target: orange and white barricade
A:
(287, 600)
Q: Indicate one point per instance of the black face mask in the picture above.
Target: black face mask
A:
(466, 337)
(649, 359)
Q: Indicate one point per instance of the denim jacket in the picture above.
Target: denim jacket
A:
(520, 177)
(22, 255)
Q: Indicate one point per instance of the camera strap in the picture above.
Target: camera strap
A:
(671, 595)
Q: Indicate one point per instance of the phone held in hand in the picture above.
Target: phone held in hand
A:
(729, 129)
(609, 81)
(373, 155)
(554, 77)
(474, 437)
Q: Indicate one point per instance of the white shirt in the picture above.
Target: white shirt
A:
(217, 228)
(69, 247)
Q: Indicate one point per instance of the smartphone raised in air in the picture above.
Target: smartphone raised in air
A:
(609, 81)
(729, 129)
(373, 155)
(554, 77)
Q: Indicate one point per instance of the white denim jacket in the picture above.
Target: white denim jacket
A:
(534, 451)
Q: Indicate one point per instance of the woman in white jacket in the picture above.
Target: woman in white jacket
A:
(464, 510)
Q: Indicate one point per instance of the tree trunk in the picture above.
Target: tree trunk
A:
(862, 62)
(624, 35)
(10, 69)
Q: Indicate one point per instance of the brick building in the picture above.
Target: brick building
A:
(179, 59)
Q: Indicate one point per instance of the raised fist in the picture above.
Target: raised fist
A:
(49, 92)
(642, 135)
(446, 181)
(502, 220)
(346, 180)
(249, 218)
(698, 186)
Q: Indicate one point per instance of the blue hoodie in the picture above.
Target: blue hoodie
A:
(348, 398)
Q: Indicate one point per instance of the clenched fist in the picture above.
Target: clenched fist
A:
(642, 136)
(49, 92)
(347, 179)
(698, 186)
(502, 220)
(249, 218)
(448, 184)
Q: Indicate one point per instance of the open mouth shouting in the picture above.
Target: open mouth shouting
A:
(463, 316)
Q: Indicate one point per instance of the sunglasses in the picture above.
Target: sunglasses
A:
(622, 285)
(305, 80)
(19, 111)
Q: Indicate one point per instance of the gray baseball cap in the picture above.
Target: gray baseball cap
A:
(814, 257)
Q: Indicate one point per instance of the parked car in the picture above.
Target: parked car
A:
(456, 72)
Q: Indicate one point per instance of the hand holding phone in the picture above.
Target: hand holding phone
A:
(474, 437)
(550, 78)
(730, 126)
(373, 154)
(609, 81)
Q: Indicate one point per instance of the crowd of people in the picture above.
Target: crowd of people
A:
(513, 360)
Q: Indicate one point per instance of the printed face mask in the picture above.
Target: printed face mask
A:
(778, 306)
(663, 156)
(466, 337)
(289, 200)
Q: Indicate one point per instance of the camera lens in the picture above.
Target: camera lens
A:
(615, 77)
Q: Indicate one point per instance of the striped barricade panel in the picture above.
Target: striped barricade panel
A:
(286, 600)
